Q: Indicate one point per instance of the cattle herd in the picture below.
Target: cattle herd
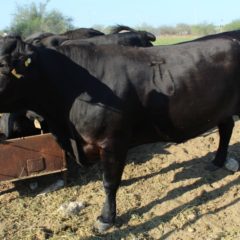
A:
(21, 123)
(101, 94)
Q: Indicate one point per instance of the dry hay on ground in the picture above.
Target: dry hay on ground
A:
(166, 193)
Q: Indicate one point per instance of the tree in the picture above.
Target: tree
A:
(183, 29)
(203, 29)
(167, 30)
(35, 18)
(234, 25)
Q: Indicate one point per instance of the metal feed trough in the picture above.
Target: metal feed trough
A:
(32, 156)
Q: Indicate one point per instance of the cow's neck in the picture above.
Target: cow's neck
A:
(60, 82)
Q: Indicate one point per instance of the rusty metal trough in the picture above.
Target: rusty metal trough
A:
(31, 156)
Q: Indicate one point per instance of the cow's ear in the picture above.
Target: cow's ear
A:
(30, 55)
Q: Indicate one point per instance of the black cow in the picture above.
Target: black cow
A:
(82, 33)
(21, 124)
(133, 38)
(54, 40)
(120, 35)
(137, 39)
(17, 124)
(99, 100)
(37, 37)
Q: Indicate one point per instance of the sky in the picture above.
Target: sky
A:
(87, 13)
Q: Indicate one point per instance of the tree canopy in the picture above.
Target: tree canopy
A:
(234, 25)
(35, 18)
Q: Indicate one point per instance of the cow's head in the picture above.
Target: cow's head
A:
(16, 67)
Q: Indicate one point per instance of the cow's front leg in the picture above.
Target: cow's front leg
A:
(113, 164)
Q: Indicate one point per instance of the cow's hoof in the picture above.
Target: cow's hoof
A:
(101, 227)
(231, 165)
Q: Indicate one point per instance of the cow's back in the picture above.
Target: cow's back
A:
(199, 83)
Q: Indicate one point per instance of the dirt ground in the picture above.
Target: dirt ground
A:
(166, 193)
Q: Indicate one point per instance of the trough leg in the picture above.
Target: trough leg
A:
(113, 165)
(225, 133)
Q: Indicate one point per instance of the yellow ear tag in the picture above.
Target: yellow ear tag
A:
(15, 74)
(37, 124)
(27, 62)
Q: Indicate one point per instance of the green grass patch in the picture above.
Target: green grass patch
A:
(172, 39)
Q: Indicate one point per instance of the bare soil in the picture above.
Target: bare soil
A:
(166, 193)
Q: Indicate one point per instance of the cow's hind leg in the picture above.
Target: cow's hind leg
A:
(225, 133)
(113, 164)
